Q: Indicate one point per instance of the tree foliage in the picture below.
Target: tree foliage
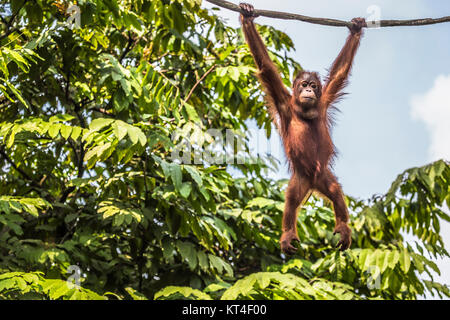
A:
(90, 117)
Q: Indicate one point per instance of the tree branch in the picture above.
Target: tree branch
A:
(12, 164)
(81, 153)
(329, 22)
(36, 186)
(127, 48)
(103, 111)
(8, 24)
(198, 82)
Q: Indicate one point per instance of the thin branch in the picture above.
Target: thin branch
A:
(33, 184)
(329, 22)
(198, 82)
(12, 164)
(4, 105)
(128, 47)
(66, 193)
(103, 111)
(77, 110)
(163, 75)
(80, 155)
(79, 162)
(8, 32)
(67, 92)
(75, 151)
(145, 178)
(8, 24)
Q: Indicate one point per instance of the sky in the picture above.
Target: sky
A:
(397, 113)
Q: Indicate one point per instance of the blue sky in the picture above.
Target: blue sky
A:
(397, 114)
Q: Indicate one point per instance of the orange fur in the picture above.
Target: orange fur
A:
(306, 139)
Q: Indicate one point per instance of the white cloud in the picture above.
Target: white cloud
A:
(433, 108)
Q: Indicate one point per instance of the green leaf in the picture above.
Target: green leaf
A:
(363, 255)
(17, 94)
(135, 294)
(260, 202)
(61, 117)
(383, 261)
(185, 190)
(203, 261)
(191, 112)
(176, 175)
(393, 258)
(126, 86)
(53, 130)
(234, 73)
(220, 265)
(120, 100)
(136, 135)
(16, 57)
(405, 260)
(76, 132)
(120, 129)
(66, 131)
(188, 253)
(186, 292)
(7, 284)
(194, 174)
(100, 123)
